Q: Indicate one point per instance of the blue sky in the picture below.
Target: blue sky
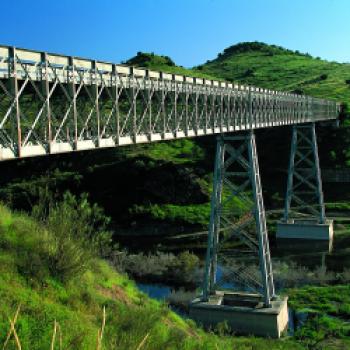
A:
(189, 31)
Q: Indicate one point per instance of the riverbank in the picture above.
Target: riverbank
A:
(39, 302)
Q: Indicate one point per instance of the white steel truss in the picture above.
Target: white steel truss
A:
(304, 185)
(51, 103)
(236, 176)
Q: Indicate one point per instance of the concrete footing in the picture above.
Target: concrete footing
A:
(243, 312)
(292, 246)
(305, 229)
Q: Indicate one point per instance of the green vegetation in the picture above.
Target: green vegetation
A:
(165, 268)
(164, 64)
(341, 206)
(264, 65)
(180, 151)
(190, 214)
(328, 311)
(76, 303)
(274, 67)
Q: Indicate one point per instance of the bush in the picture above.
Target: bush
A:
(77, 232)
(249, 73)
(160, 267)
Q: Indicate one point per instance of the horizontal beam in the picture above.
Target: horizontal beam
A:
(52, 103)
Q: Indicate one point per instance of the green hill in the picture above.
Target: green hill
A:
(35, 285)
(164, 64)
(274, 67)
(267, 66)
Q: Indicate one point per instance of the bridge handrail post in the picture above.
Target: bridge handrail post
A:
(72, 90)
(95, 91)
(46, 93)
(14, 91)
(115, 99)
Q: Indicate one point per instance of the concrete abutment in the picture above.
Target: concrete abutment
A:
(244, 313)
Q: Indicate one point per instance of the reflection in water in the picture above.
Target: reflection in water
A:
(156, 291)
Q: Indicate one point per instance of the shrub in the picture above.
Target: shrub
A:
(77, 232)
(160, 267)
(248, 73)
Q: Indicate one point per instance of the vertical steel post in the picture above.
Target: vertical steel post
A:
(115, 99)
(210, 269)
(322, 216)
(289, 191)
(134, 105)
(46, 92)
(176, 126)
(185, 88)
(162, 104)
(14, 91)
(74, 101)
(250, 107)
(260, 223)
(95, 94)
(148, 83)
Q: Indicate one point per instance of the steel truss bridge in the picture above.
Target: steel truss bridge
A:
(51, 103)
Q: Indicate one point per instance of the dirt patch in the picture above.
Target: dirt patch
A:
(115, 293)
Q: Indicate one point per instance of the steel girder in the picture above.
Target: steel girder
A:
(304, 185)
(238, 215)
(51, 103)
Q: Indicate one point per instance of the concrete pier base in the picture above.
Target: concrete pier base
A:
(305, 229)
(292, 246)
(243, 312)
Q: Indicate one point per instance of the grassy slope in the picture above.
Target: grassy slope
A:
(77, 305)
(277, 68)
(164, 64)
(328, 308)
(266, 66)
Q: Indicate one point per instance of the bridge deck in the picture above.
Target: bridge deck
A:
(51, 103)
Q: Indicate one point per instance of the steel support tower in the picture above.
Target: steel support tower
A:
(236, 176)
(304, 185)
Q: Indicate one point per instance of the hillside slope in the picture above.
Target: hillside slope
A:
(164, 64)
(31, 288)
(274, 67)
(267, 66)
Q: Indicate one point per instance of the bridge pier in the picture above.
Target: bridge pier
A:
(304, 189)
(238, 284)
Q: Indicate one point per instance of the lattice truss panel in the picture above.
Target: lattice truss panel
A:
(304, 188)
(51, 103)
(238, 256)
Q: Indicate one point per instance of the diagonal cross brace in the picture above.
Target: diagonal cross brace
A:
(229, 154)
(304, 146)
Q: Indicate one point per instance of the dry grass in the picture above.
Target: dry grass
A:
(143, 342)
(101, 330)
(57, 335)
(12, 330)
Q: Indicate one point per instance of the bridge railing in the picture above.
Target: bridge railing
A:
(52, 103)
